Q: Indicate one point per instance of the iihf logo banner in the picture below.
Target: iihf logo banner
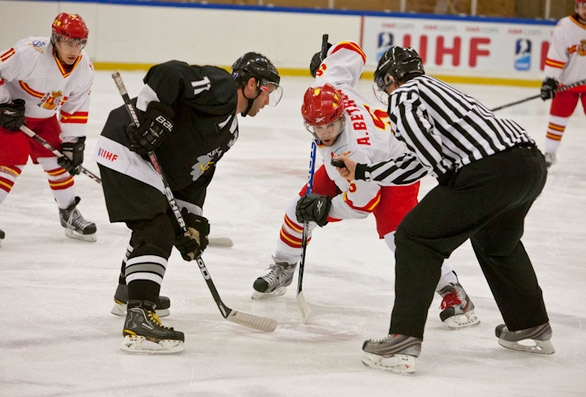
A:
(523, 54)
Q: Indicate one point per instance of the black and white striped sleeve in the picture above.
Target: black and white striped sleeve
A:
(402, 170)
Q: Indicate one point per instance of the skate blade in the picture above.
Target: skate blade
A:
(135, 344)
(529, 346)
(269, 295)
(401, 364)
(119, 309)
(462, 320)
(78, 236)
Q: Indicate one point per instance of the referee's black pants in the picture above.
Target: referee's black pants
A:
(486, 202)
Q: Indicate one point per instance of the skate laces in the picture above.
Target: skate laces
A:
(387, 338)
(277, 271)
(76, 220)
(154, 318)
(451, 299)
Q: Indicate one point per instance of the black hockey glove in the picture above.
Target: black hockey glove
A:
(156, 125)
(194, 242)
(12, 115)
(548, 88)
(316, 60)
(72, 156)
(313, 207)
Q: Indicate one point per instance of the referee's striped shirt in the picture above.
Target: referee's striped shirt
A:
(443, 128)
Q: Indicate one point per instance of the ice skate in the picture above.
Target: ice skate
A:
(121, 297)
(275, 282)
(395, 353)
(144, 333)
(2, 235)
(75, 225)
(550, 159)
(457, 308)
(532, 340)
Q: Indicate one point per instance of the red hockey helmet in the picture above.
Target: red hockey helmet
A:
(70, 27)
(321, 105)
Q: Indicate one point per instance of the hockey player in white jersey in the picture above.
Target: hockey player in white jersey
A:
(565, 64)
(45, 84)
(343, 122)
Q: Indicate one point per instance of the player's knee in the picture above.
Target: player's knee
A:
(156, 233)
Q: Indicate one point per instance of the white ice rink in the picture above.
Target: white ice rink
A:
(58, 337)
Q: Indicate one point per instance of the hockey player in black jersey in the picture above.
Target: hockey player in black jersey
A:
(188, 116)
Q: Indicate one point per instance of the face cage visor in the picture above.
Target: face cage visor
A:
(379, 88)
(274, 90)
(311, 128)
(70, 41)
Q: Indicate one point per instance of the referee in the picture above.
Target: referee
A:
(489, 173)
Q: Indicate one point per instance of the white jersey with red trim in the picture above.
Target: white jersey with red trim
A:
(31, 71)
(566, 58)
(367, 136)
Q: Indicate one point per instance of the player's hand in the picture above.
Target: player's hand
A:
(313, 207)
(548, 88)
(12, 115)
(72, 156)
(349, 171)
(157, 124)
(316, 61)
(195, 240)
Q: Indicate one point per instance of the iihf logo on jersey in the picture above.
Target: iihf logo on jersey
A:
(385, 41)
(523, 54)
(37, 45)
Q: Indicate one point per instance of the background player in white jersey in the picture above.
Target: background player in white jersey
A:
(189, 118)
(343, 122)
(565, 64)
(45, 83)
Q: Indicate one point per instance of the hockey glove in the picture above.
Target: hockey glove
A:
(156, 125)
(195, 240)
(548, 88)
(72, 156)
(316, 60)
(12, 115)
(313, 207)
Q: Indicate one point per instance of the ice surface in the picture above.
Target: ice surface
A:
(58, 337)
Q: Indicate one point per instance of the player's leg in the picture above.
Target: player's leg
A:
(396, 202)
(60, 181)
(562, 106)
(288, 250)
(144, 210)
(121, 294)
(14, 152)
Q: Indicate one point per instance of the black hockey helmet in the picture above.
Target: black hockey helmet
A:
(396, 63)
(253, 64)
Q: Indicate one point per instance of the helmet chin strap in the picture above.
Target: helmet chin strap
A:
(250, 102)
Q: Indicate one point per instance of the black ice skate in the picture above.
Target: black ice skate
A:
(532, 340)
(275, 282)
(457, 308)
(395, 353)
(74, 224)
(121, 297)
(2, 235)
(144, 333)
